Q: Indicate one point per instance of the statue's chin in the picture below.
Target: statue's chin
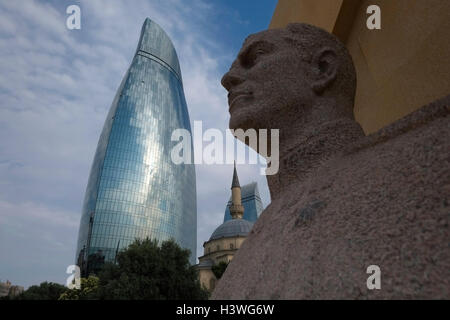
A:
(232, 124)
(238, 123)
(241, 119)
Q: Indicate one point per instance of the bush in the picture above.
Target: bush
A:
(44, 291)
(147, 271)
(88, 290)
(219, 269)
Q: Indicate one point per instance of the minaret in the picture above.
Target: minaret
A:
(236, 208)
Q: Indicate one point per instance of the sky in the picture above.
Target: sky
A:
(56, 87)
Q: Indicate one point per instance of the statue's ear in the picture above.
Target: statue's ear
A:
(325, 64)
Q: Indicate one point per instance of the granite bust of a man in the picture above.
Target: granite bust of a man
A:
(341, 201)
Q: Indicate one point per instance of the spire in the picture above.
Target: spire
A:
(155, 44)
(235, 182)
(236, 208)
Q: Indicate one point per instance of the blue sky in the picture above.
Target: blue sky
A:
(56, 86)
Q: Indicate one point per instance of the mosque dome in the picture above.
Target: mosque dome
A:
(232, 228)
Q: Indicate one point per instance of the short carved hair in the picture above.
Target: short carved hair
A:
(308, 39)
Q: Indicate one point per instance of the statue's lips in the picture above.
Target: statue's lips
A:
(233, 97)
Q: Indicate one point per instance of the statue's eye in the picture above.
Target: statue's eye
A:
(259, 52)
(251, 58)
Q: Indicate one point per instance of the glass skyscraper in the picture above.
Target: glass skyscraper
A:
(134, 189)
(250, 200)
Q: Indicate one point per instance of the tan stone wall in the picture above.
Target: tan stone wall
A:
(225, 254)
(401, 67)
(210, 248)
(207, 279)
(236, 195)
(321, 13)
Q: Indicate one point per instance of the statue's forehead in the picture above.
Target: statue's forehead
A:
(273, 36)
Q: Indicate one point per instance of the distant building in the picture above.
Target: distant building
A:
(250, 200)
(135, 190)
(7, 289)
(227, 238)
(4, 288)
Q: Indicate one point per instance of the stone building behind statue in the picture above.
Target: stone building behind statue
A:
(226, 240)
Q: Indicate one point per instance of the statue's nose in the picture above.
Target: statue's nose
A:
(230, 80)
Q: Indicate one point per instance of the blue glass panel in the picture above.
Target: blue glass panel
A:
(134, 189)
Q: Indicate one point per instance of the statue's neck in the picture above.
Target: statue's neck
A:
(302, 150)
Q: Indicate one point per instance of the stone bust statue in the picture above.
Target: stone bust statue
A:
(300, 80)
(341, 201)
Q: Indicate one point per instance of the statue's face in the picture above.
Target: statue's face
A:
(265, 80)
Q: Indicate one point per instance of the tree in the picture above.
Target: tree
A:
(148, 271)
(44, 291)
(88, 290)
(219, 269)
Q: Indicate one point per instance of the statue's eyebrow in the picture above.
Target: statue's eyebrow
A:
(259, 43)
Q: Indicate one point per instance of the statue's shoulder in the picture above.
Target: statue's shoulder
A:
(431, 118)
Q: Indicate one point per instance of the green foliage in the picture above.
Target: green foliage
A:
(44, 291)
(219, 269)
(147, 271)
(144, 271)
(88, 290)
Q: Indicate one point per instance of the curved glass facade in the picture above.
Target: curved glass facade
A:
(250, 200)
(134, 189)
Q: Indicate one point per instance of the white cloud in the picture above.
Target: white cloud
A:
(56, 87)
(19, 214)
(36, 242)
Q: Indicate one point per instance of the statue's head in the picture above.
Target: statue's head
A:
(283, 73)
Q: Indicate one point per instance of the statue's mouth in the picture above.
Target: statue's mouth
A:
(234, 97)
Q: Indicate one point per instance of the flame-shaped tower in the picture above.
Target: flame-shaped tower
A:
(134, 189)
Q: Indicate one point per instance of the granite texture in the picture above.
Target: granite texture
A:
(341, 201)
